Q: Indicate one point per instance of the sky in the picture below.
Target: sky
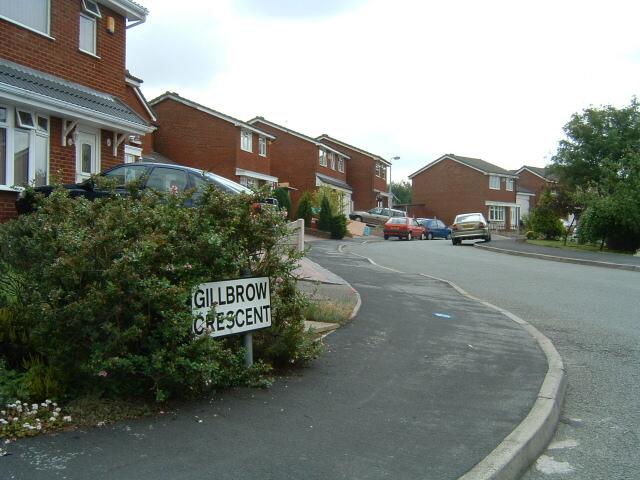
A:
(489, 79)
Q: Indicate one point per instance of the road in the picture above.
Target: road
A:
(592, 316)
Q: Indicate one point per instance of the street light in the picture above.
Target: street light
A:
(390, 192)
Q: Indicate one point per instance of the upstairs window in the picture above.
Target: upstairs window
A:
(377, 169)
(322, 158)
(332, 161)
(246, 141)
(510, 184)
(383, 171)
(91, 8)
(262, 146)
(341, 164)
(494, 182)
(87, 42)
(32, 14)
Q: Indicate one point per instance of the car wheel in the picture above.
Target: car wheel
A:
(409, 237)
(487, 238)
(386, 237)
(455, 241)
(430, 236)
(422, 237)
(357, 219)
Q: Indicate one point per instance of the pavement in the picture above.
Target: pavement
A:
(597, 259)
(424, 382)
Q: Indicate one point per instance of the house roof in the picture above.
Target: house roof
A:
(521, 189)
(189, 103)
(475, 163)
(47, 92)
(333, 181)
(298, 134)
(127, 8)
(542, 172)
(324, 136)
(156, 157)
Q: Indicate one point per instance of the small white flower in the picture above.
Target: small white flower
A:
(3, 412)
(58, 409)
(55, 414)
(26, 425)
(34, 406)
(67, 418)
(15, 419)
(52, 419)
(48, 402)
(43, 404)
(3, 421)
(54, 404)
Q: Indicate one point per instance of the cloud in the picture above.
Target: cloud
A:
(294, 9)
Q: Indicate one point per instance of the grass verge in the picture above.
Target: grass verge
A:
(573, 245)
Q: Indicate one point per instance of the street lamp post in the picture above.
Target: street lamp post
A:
(390, 192)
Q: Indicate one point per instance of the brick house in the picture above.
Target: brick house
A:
(453, 184)
(67, 105)
(200, 137)
(305, 163)
(532, 181)
(366, 174)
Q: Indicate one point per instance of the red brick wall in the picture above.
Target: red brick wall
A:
(361, 176)
(293, 160)
(60, 56)
(7, 206)
(449, 188)
(534, 183)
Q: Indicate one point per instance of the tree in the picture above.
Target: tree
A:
(402, 191)
(545, 218)
(305, 210)
(600, 161)
(284, 200)
(325, 216)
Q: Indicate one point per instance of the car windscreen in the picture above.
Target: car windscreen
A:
(226, 184)
(398, 220)
(468, 218)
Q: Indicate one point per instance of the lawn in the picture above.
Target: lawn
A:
(573, 245)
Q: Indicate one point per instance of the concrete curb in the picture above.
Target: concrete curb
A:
(529, 439)
(554, 258)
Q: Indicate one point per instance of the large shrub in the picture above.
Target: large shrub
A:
(338, 226)
(305, 209)
(96, 294)
(284, 200)
(545, 218)
(325, 216)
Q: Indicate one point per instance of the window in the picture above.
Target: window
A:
(377, 169)
(246, 141)
(167, 179)
(132, 154)
(341, 164)
(88, 34)
(33, 14)
(262, 146)
(496, 213)
(127, 174)
(91, 8)
(494, 182)
(332, 161)
(322, 158)
(383, 171)
(25, 119)
(510, 184)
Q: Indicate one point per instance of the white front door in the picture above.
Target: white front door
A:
(87, 154)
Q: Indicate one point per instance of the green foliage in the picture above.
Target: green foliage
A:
(305, 210)
(600, 160)
(326, 215)
(104, 286)
(403, 191)
(336, 198)
(284, 200)
(338, 226)
(544, 219)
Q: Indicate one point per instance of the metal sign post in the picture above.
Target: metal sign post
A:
(247, 341)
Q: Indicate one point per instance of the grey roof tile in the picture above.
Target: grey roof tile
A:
(481, 165)
(35, 82)
(333, 181)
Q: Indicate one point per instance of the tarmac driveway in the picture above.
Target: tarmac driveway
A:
(423, 383)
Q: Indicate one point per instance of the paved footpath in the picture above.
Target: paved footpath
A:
(423, 384)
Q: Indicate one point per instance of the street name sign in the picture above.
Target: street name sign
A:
(240, 306)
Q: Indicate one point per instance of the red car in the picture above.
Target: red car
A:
(404, 227)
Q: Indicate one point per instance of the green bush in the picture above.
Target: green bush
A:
(338, 226)
(325, 216)
(104, 287)
(305, 209)
(284, 200)
(545, 219)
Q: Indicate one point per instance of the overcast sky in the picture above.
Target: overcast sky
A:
(495, 80)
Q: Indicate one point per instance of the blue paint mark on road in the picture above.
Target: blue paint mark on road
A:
(441, 315)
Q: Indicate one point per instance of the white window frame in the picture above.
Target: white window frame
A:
(322, 157)
(92, 20)
(132, 154)
(341, 164)
(378, 169)
(509, 185)
(47, 30)
(21, 124)
(493, 180)
(496, 213)
(13, 124)
(262, 146)
(246, 141)
(91, 8)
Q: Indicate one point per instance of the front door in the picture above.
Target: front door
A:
(87, 154)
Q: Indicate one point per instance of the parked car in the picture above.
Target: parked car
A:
(157, 176)
(470, 226)
(404, 227)
(376, 216)
(435, 228)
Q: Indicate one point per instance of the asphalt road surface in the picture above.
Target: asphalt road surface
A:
(591, 314)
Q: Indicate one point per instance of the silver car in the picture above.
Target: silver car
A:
(376, 216)
(470, 226)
